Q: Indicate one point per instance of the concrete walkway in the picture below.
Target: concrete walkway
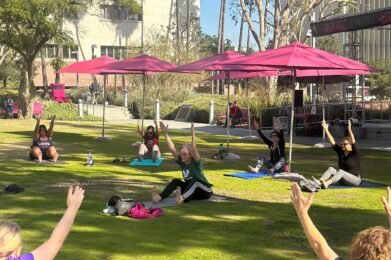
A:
(376, 144)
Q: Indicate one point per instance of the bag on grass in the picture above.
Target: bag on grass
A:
(309, 186)
(139, 211)
(121, 206)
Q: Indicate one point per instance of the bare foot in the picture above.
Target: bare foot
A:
(325, 184)
(252, 169)
(155, 196)
(316, 180)
(179, 197)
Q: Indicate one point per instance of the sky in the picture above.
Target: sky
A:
(209, 17)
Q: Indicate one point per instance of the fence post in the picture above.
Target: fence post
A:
(80, 108)
(211, 111)
(157, 109)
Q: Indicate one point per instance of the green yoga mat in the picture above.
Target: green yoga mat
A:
(146, 162)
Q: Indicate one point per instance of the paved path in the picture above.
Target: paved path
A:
(377, 144)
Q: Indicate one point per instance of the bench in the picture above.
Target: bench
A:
(243, 120)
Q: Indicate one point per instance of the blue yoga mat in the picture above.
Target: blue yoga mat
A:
(146, 162)
(364, 184)
(248, 175)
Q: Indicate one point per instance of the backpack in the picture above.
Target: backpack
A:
(139, 211)
(309, 186)
(121, 206)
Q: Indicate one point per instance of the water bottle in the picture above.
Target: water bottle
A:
(89, 159)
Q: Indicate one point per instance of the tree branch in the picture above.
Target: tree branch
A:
(250, 24)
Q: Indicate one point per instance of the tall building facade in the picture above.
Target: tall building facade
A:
(109, 29)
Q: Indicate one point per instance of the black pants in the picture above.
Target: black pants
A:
(191, 190)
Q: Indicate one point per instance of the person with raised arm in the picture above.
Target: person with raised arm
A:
(277, 161)
(42, 147)
(349, 172)
(150, 147)
(370, 244)
(194, 186)
(11, 238)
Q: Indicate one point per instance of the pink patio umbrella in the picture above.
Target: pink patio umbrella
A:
(298, 56)
(143, 64)
(214, 63)
(92, 67)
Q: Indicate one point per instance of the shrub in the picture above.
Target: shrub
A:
(65, 111)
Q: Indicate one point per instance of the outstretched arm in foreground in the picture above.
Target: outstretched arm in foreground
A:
(315, 238)
(170, 144)
(326, 130)
(50, 248)
(194, 151)
(156, 128)
(387, 205)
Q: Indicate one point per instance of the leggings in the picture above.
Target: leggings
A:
(276, 168)
(191, 190)
(341, 176)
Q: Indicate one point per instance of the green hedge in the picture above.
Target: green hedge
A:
(65, 111)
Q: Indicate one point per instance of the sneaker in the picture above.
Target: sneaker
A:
(139, 157)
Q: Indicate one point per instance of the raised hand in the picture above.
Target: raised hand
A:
(256, 124)
(163, 127)
(75, 197)
(387, 204)
(138, 122)
(38, 119)
(300, 203)
(349, 124)
(192, 127)
(53, 117)
(325, 125)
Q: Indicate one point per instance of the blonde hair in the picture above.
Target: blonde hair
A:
(10, 238)
(372, 243)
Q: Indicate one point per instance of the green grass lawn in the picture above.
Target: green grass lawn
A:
(259, 224)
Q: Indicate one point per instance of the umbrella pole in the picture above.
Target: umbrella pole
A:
(228, 118)
(248, 110)
(323, 112)
(292, 118)
(143, 114)
(104, 105)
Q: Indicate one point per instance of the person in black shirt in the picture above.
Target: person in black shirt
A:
(348, 161)
(277, 161)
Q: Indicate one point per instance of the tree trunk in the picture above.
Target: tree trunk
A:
(187, 26)
(241, 33)
(177, 29)
(249, 21)
(5, 80)
(221, 43)
(44, 76)
(249, 30)
(24, 92)
(58, 77)
(79, 45)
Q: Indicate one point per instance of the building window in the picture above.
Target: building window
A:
(118, 13)
(69, 52)
(50, 51)
(113, 52)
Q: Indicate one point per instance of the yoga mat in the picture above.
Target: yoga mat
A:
(146, 162)
(248, 175)
(47, 162)
(171, 202)
(364, 184)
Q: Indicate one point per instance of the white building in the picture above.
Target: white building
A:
(108, 29)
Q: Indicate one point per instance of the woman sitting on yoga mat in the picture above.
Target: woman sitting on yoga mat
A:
(42, 147)
(370, 244)
(348, 161)
(195, 186)
(11, 238)
(150, 147)
(276, 145)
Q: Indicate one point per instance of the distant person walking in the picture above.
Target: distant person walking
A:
(94, 89)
